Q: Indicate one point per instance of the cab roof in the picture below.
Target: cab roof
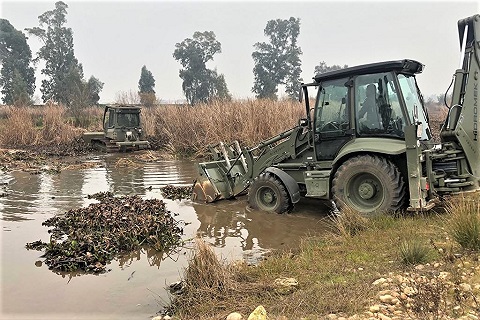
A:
(403, 66)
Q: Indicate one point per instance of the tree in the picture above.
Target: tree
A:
(322, 67)
(94, 87)
(17, 77)
(200, 84)
(278, 62)
(64, 74)
(145, 86)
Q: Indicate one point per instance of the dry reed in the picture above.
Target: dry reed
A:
(188, 130)
(18, 128)
(34, 126)
(179, 129)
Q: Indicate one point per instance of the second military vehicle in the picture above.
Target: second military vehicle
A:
(122, 130)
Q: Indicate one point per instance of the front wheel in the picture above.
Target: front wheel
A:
(268, 193)
(368, 184)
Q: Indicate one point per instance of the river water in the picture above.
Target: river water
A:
(134, 288)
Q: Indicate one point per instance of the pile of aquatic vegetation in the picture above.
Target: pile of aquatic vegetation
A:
(87, 239)
(176, 192)
(20, 160)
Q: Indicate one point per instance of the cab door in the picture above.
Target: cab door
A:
(332, 125)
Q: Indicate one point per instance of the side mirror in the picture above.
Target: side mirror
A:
(303, 123)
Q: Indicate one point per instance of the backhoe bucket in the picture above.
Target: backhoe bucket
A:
(223, 177)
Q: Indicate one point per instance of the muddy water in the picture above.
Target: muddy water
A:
(135, 286)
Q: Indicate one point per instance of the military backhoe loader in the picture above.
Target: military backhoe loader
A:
(365, 144)
(122, 130)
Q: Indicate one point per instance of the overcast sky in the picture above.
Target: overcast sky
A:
(114, 39)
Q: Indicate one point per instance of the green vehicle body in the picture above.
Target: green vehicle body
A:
(384, 162)
(122, 130)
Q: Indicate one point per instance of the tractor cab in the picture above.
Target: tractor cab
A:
(370, 101)
(122, 123)
(122, 130)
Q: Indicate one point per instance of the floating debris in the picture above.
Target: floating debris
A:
(101, 196)
(81, 165)
(36, 245)
(76, 147)
(48, 159)
(21, 160)
(176, 193)
(89, 238)
(147, 156)
(125, 162)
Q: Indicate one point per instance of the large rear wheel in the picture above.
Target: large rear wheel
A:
(368, 184)
(268, 193)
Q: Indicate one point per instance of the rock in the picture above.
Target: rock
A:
(258, 314)
(167, 317)
(386, 298)
(465, 287)
(234, 316)
(379, 281)
(285, 285)
(374, 308)
(409, 291)
(157, 318)
(383, 317)
(420, 267)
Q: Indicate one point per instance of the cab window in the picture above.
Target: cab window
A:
(331, 112)
(413, 102)
(377, 107)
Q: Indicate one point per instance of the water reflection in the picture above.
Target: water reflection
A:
(230, 227)
(257, 230)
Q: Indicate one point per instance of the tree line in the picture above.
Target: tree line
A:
(276, 62)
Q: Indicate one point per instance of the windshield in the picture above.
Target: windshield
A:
(414, 104)
(128, 119)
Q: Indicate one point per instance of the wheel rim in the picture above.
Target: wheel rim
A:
(266, 198)
(365, 192)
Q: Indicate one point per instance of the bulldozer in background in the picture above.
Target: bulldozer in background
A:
(122, 130)
(385, 161)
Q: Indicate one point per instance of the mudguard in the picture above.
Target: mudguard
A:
(290, 184)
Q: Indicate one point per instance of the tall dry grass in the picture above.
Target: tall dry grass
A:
(188, 130)
(182, 129)
(464, 221)
(34, 126)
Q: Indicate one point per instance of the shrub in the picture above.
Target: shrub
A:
(349, 222)
(464, 222)
(414, 252)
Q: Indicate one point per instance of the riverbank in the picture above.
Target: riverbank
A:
(361, 270)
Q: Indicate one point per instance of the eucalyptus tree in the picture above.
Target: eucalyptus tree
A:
(146, 86)
(17, 76)
(200, 84)
(63, 73)
(278, 61)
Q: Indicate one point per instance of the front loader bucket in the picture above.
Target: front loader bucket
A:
(220, 179)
